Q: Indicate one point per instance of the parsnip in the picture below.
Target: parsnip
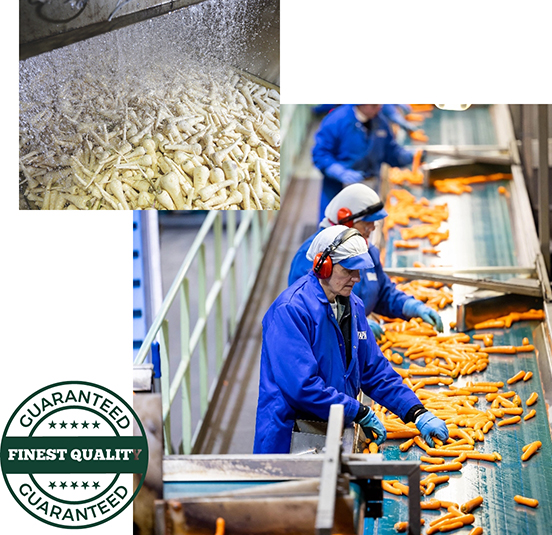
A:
(171, 184)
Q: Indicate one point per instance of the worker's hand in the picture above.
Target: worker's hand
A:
(413, 308)
(430, 426)
(376, 328)
(344, 175)
(371, 423)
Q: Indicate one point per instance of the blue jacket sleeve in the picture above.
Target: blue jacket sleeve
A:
(394, 155)
(392, 113)
(326, 141)
(381, 382)
(390, 300)
(295, 367)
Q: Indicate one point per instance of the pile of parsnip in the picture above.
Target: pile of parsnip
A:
(200, 142)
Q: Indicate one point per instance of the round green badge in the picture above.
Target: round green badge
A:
(68, 454)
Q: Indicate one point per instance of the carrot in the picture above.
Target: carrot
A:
(525, 341)
(516, 410)
(447, 467)
(509, 421)
(403, 526)
(373, 447)
(392, 435)
(527, 376)
(522, 349)
(220, 526)
(448, 526)
(517, 377)
(532, 399)
(430, 504)
(493, 457)
(530, 415)
(481, 389)
(476, 531)
(402, 244)
(430, 487)
(489, 324)
(388, 487)
(510, 350)
(531, 450)
(432, 460)
(401, 487)
(472, 504)
(405, 446)
(526, 501)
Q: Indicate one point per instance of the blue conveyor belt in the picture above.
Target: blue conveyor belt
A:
(499, 482)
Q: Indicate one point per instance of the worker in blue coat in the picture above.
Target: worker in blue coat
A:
(350, 146)
(359, 206)
(318, 351)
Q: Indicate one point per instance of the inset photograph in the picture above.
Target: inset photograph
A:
(149, 105)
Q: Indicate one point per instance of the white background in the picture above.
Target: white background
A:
(65, 285)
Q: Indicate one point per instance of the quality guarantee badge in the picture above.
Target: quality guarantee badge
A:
(68, 454)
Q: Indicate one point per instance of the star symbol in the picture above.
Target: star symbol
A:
(85, 424)
(96, 425)
(52, 425)
(63, 484)
(52, 484)
(74, 424)
(74, 485)
(96, 484)
(85, 485)
(62, 425)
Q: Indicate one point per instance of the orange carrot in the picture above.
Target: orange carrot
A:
(526, 501)
(527, 376)
(530, 415)
(430, 504)
(470, 505)
(509, 421)
(489, 324)
(447, 467)
(401, 487)
(405, 446)
(531, 450)
(532, 399)
(432, 460)
(510, 350)
(373, 447)
(517, 377)
(525, 341)
(476, 531)
(522, 349)
(388, 487)
(220, 526)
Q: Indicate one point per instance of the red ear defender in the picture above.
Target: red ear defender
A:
(344, 214)
(323, 270)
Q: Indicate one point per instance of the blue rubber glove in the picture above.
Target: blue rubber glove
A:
(413, 308)
(371, 423)
(376, 328)
(344, 175)
(430, 426)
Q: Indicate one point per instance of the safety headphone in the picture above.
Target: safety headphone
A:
(322, 264)
(346, 217)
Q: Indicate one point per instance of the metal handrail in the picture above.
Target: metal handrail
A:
(255, 225)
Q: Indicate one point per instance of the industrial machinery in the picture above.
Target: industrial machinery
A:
(493, 266)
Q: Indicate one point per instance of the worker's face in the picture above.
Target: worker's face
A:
(370, 110)
(365, 228)
(341, 281)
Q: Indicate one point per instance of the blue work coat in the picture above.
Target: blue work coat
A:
(303, 366)
(343, 139)
(376, 290)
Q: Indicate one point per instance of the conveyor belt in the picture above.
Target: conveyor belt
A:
(480, 230)
(471, 127)
(497, 482)
(481, 234)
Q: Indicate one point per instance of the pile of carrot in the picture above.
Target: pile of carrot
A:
(400, 176)
(402, 206)
(462, 184)
(506, 321)
(435, 295)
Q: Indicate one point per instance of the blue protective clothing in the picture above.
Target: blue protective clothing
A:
(376, 290)
(371, 423)
(430, 426)
(416, 309)
(343, 139)
(303, 366)
(392, 113)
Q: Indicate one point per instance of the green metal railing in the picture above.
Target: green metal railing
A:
(245, 241)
